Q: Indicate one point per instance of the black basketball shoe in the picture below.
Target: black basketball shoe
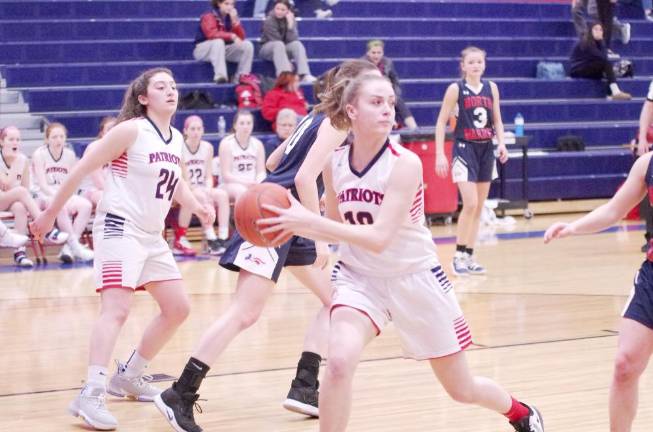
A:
(177, 408)
(531, 423)
(302, 398)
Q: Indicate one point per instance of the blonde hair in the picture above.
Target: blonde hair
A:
(131, 107)
(467, 51)
(375, 43)
(335, 82)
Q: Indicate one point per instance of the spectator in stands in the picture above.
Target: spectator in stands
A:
(92, 186)
(309, 8)
(51, 164)
(603, 12)
(280, 41)
(643, 147)
(242, 157)
(286, 93)
(286, 122)
(198, 156)
(376, 55)
(589, 59)
(647, 6)
(15, 195)
(221, 38)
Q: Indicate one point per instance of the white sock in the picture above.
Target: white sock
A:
(97, 376)
(223, 233)
(614, 88)
(209, 233)
(135, 365)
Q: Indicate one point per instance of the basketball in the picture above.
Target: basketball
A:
(249, 209)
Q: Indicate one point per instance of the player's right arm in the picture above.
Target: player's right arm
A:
(448, 104)
(275, 157)
(629, 195)
(107, 148)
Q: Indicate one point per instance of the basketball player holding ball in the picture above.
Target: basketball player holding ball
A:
(389, 268)
(297, 165)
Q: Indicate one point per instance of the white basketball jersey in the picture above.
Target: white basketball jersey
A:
(142, 181)
(56, 170)
(243, 164)
(15, 172)
(360, 195)
(196, 163)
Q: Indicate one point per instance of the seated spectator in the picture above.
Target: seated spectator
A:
(197, 155)
(314, 8)
(92, 186)
(375, 54)
(51, 164)
(242, 157)
(589, 59)
(286, 122)
(280, 41)
(221, 39)
(286, 93)
(15, 195)
(601, 11)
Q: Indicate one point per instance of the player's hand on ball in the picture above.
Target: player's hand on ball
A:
(292, 219)
(558, 230)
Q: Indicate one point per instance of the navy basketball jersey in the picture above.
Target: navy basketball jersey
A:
(300, 142)
(649, 180)
(475, 113)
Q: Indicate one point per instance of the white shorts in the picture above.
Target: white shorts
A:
(422, 306)
(128, 257)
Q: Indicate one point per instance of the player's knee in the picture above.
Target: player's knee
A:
(340, 367)
(117, 314)
(626, 367)
(179, 312)
(18, 209)
(470, 206)
(248, 317)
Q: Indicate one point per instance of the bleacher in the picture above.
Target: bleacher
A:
(69, 61)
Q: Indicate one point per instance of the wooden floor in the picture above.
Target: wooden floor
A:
(543, 321)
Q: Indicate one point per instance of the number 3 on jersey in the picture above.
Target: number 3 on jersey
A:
(480, 117)
(168, 181)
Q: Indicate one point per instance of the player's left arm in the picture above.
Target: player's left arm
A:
(187, 199)
(330, 198)
(375, 237)
(498, 123)
(208, 181)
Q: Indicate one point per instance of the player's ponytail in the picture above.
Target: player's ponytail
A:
(335, 82)
(131, 107)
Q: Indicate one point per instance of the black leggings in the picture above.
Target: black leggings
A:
(595, 70)
(605, 11)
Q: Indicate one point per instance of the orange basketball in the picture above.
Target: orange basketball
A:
(249, 209)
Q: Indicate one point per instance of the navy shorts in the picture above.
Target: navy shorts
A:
(640, 304)
(473, 162)
(267, 262)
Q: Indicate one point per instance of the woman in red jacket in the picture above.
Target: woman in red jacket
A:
(285, 94)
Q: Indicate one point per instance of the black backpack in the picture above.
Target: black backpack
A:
(570, 143)
(197, 99)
